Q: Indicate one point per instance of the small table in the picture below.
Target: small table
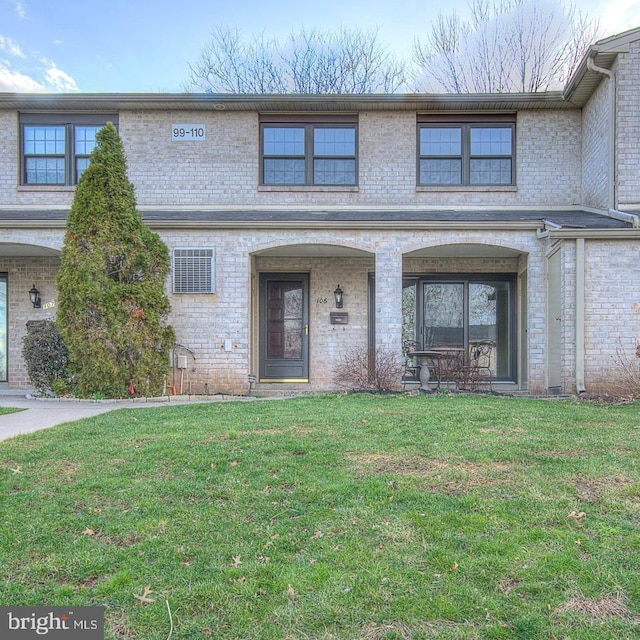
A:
(426, 359)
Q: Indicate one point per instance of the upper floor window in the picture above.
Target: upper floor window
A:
(468, 153)
(56, 147)
(308, 153)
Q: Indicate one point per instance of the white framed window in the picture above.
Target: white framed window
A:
(194, 270)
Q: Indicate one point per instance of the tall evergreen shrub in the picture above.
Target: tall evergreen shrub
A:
(112, 306)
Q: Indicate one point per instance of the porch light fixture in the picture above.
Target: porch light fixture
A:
(338, 296)
(34, 296)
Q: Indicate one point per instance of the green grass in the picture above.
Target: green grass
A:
(6, 410)
(373, 517)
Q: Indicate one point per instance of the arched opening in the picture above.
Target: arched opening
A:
(23, 267)
(298, 330)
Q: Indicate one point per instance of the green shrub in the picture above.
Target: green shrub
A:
(46, 356)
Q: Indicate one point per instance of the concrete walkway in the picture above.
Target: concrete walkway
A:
(44, 413)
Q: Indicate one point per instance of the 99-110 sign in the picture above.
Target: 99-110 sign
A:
(187, 132)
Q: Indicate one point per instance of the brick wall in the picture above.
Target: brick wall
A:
(595, 148)
(628, 124)
(223, 169)
(227, 319)
(22, 274)
(204, 322)
(612, 311)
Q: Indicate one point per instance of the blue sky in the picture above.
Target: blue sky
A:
(146, 45)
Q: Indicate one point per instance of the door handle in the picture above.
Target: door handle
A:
(306, 329)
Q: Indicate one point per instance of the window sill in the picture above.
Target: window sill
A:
(47, 188)
(472, 188)
(310, 188)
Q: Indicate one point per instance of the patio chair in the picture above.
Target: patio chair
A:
(477, 371)
(410, 370)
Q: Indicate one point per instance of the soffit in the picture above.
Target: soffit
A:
(15, 250)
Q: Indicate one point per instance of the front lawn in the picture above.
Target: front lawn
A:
(372, 517)
(6, 410)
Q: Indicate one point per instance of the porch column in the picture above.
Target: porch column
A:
(388, 300)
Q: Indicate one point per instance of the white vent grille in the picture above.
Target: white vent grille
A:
(193, 271)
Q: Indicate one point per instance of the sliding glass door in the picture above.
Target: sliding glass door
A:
(459, 312)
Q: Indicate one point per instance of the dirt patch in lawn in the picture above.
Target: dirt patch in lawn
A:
(492, 430)
(442, 476)
(595, 489)
(262, 432)
(298, 429)
(508, 585)
(373, 631)
(116, 540)
(118, 623)
(60, 470)
(611, 606)
(400, 630)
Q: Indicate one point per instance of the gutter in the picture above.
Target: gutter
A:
(567, 233)
(547, 226)
(528, 225)
(282, 102)
(631, 218)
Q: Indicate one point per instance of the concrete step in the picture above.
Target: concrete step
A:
(281, 389)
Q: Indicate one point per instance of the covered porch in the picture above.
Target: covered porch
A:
(24, 268)
(453, 294)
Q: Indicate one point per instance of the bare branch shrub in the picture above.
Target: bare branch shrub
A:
(358, 371)
(311, 61)
(628, 370)
(506, 46)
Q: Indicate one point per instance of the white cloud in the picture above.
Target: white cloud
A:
(20, 8)
(19, 82)
(30, 73)
(59, 80)
(11, 47)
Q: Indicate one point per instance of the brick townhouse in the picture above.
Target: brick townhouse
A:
(443, 219)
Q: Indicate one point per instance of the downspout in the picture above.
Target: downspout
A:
(580, 388)
(591, 65)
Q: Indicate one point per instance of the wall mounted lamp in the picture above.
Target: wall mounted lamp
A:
(338, 293)
(34, 296)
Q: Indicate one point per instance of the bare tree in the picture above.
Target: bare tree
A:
(310, 61)
(505, 46)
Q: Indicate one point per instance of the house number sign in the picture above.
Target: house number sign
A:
(187, 132)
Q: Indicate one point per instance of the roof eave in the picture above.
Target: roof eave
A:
(284, 102)
(604, 53)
